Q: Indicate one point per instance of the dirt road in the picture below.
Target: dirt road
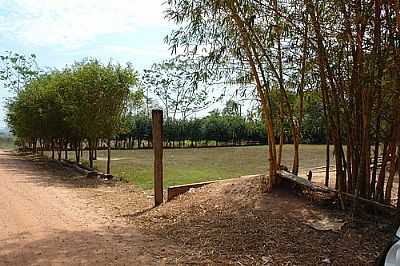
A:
(44, 220)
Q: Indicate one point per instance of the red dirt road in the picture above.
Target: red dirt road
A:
(44, 221)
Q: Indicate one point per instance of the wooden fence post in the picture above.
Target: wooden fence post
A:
(157, 116)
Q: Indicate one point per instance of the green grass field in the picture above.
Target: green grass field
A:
(6, 143)
(196, 165)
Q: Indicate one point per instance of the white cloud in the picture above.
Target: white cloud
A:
(69, 24)
(132, 51)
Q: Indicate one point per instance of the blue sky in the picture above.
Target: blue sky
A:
(60, 32)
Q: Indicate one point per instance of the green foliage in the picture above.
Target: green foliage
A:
(100, 93)
(177, 85)
(314, 130)
(227, 128)
(6, 141)
(141, 128)
(16, 70)
(84, 101)
(216, 127)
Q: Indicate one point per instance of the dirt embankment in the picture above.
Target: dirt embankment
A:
(232, 222)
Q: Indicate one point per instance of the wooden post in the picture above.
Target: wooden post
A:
(157, 116)
(309, 175)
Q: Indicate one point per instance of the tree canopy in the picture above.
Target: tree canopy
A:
(83, 102)
(347, 51)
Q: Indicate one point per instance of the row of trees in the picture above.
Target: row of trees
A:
(227, 127)
(60, 110)
(347, 51)
(215, 129)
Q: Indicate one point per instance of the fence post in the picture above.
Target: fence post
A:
(157, 117)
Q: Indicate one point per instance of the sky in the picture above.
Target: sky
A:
(60, 32)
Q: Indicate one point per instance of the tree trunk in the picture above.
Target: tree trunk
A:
(34, 145)
(262, 90)
(59, 149)
(90, 154)
(296, 159)
(52, 149)
(349, 156)
(41, 146)
(398, 174)
(394, 162)
(281, 134)
(327, 163)
(376, 158)
(96, 144)
(77, 152)
(379, 195)
(108, 156)
(66, 151)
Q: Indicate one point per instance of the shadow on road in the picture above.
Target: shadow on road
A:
(45, 172)
(118, 246)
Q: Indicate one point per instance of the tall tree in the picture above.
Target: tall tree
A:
(176, 83)
(16, 70)
(253, 34)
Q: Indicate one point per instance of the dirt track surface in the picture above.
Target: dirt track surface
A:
(46, 220)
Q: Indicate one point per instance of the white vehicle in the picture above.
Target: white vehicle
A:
(391, 255)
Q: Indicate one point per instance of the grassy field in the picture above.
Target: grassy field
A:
(6, 143)
(196, 165)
